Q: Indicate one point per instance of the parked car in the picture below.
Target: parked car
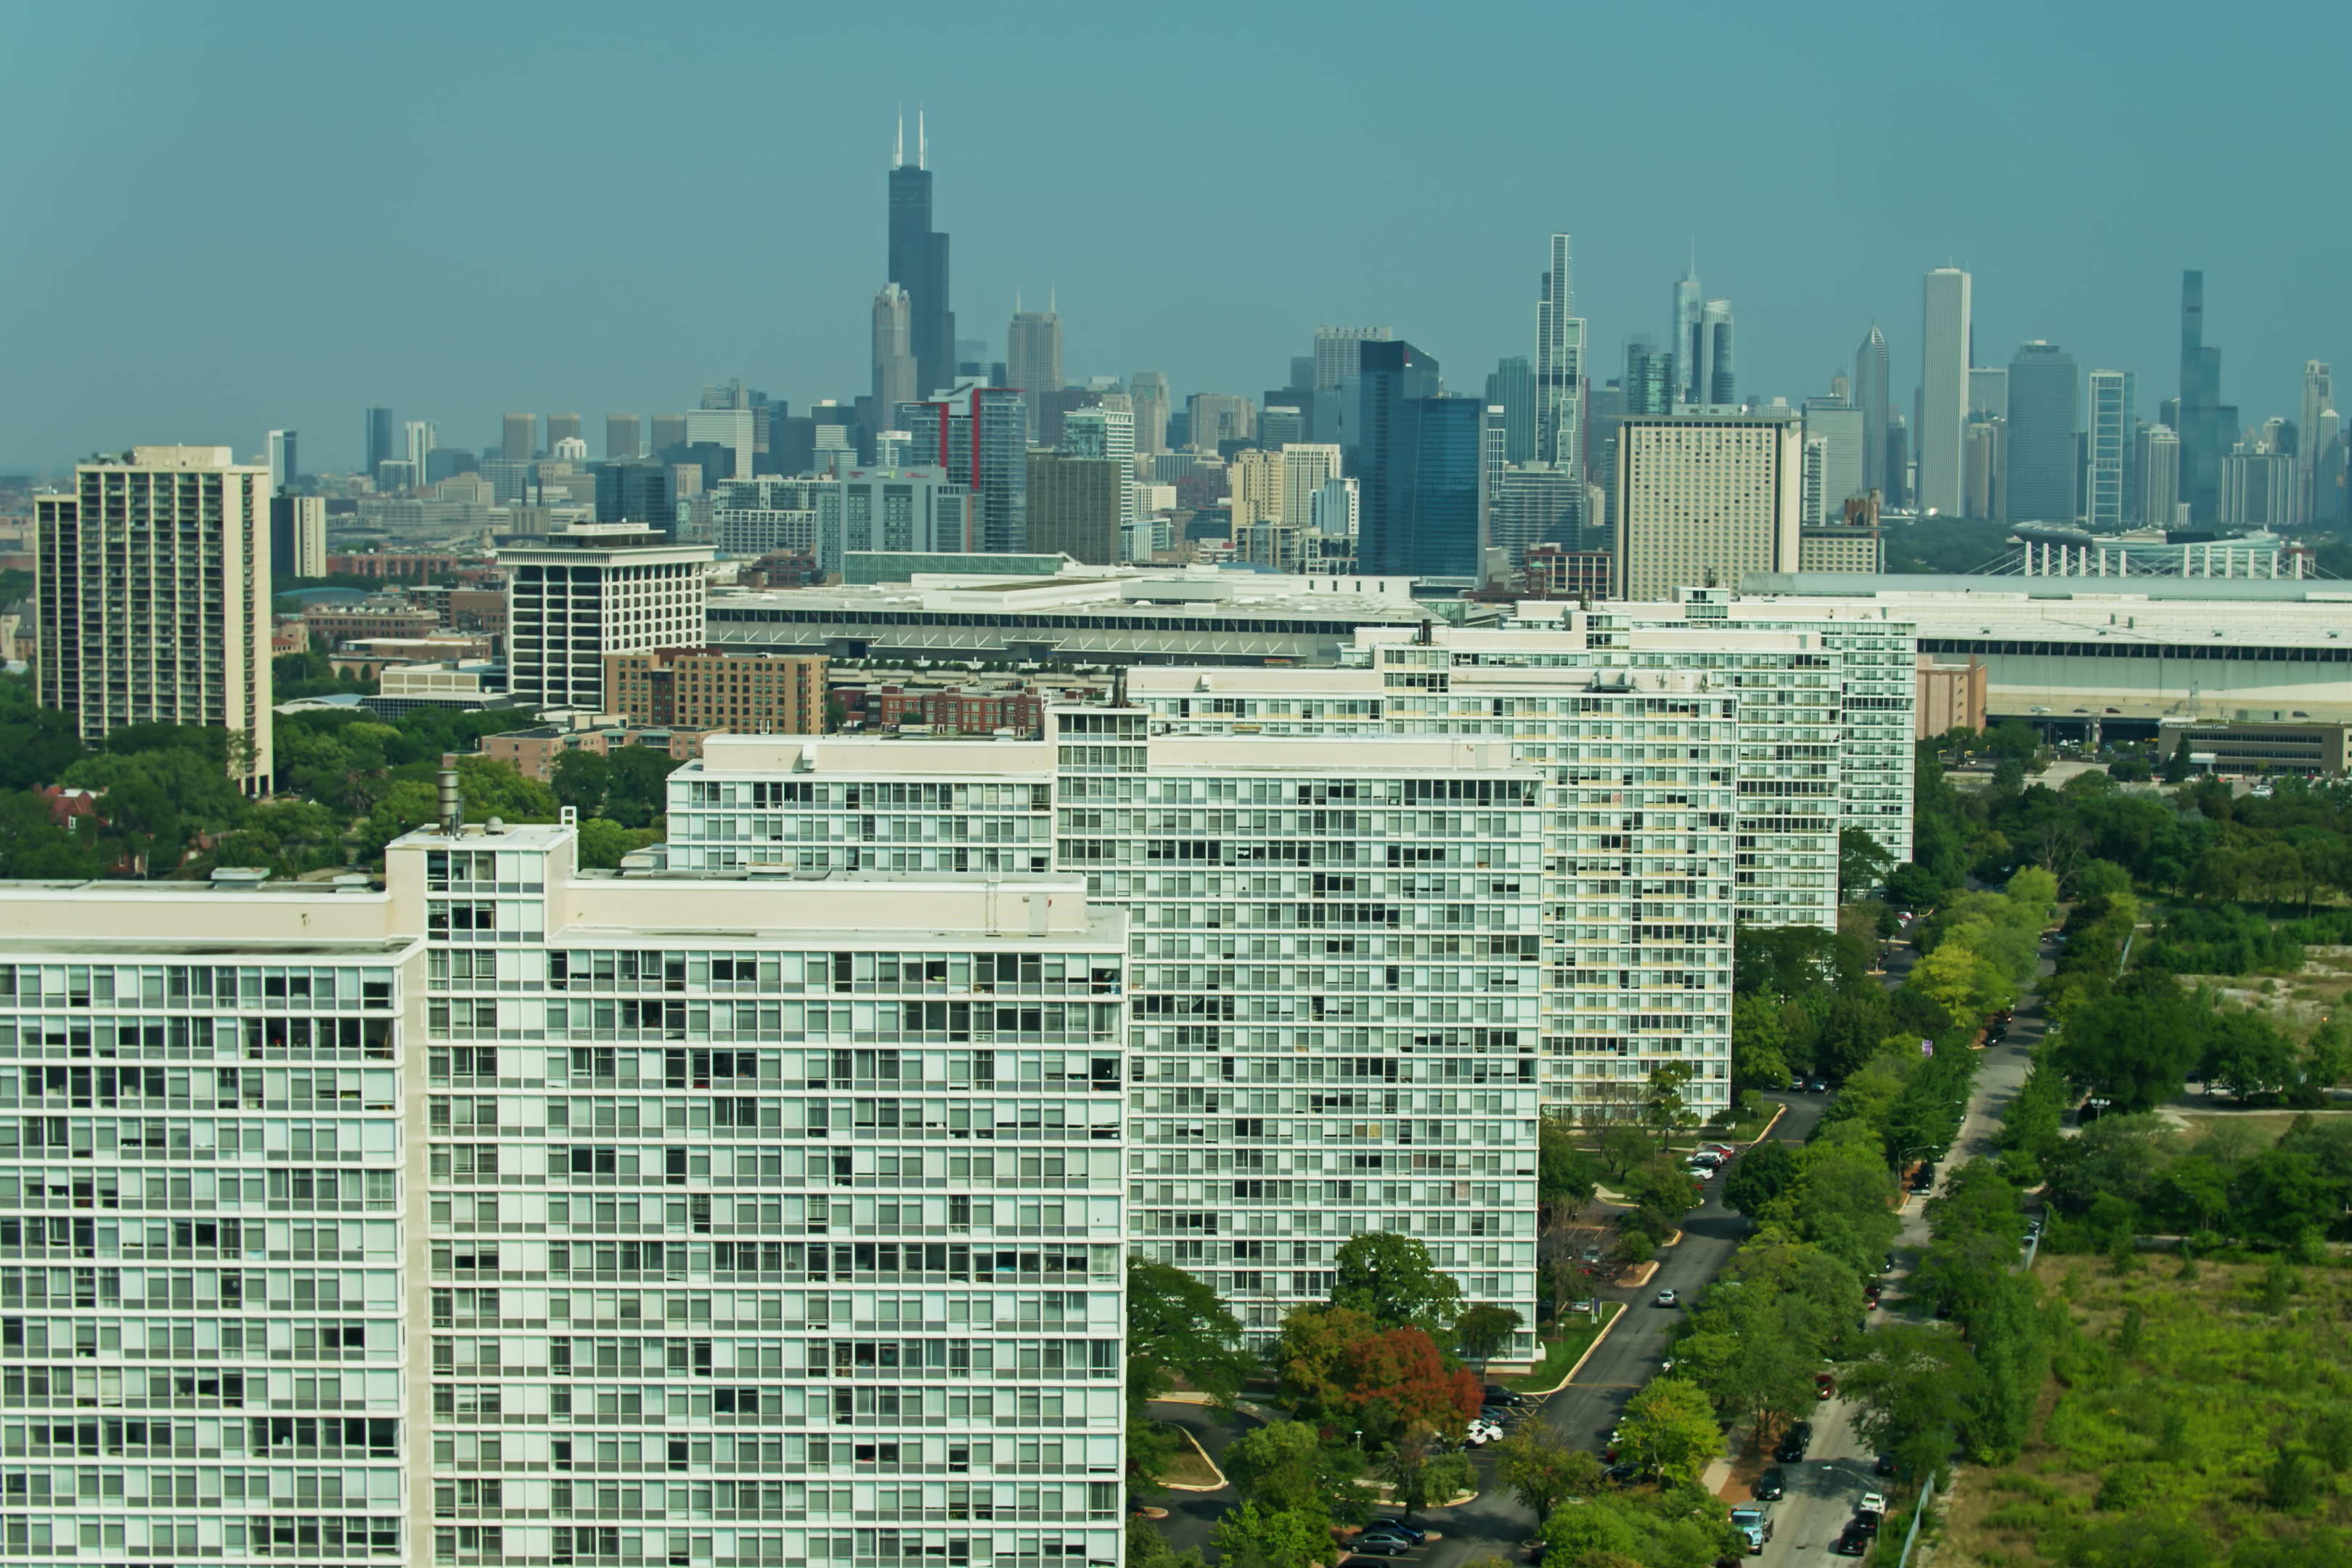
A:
(1667, 1298)
(1706, 1157)
(1495, 1394)
(1865, 1523)
(1853, 1544)
(1699, 1172)
(1382, 1546)
(1535, 1552)
(1873, 1507)
(1771, 1484)
(1885, 1467)
(1794, 1442)
(1817, 1085)
(1393, 1526)
(1592, 1255)
(1373, 1540)
(1824, 1385)
(1889, 1266)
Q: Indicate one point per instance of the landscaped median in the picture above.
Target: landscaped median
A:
(1563, 1355)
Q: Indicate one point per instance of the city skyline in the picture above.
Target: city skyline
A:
(787, 279)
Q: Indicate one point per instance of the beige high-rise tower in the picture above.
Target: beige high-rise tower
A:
(895, 370)
(1706, 499)
(1033, 356)
(153, 584)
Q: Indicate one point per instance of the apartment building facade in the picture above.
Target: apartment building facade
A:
(1334, 963)
(509, 1213)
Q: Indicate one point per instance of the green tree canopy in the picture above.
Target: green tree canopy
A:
(1390, 1279)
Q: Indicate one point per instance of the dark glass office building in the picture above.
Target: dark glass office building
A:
(2044, 396)
(1417, 467)
(636, 492)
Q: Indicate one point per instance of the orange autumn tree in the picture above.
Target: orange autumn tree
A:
(1397, 1380)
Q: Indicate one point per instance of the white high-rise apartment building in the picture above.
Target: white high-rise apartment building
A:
(1705, 499)
(2107, 481)
(153, 581)
(1943, 393)
(1334, 509)
(590, 591)
(516, 1213)
(2160, 476)
(1332, 951)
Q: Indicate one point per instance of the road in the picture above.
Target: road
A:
(1822, 1491)
(1494, 1523)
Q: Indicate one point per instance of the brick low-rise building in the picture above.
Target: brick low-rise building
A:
(707, 689)
(954, 710)
(533, 753)
(384, 617)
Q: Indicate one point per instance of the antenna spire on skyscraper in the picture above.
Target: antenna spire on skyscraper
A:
(922, 142)
(899, 147)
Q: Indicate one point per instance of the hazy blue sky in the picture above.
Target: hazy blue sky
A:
(229, 217)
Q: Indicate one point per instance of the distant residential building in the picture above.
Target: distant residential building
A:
(949, 710)
(153, 589)
(707, 690)
(1840, 546)
(1987, 455)
(1704, 499)
(909, 509)
(1533, 504)
(1279, 426)
(533, 753)
(589, 593)
(1554, 572)
(1949, 697)
(2257, 486)
(1106, 430)
(1560, 368)
(979, 436)
(1075, 505)
(2044, 394)
(1253, 482)
(1649, 379)
(389, 617)
(1306, 467)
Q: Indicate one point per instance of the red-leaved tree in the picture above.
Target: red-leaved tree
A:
(1397, 1380)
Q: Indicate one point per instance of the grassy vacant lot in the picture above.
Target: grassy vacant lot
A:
(2215, 1411)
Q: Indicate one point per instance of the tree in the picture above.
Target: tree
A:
(2014, 739)
(602, 842)
(1670, 1430)
(1566, 1176)
(1665, 1109)
(2247, 1055)
(1910, 1392)
(1396, 1381)
(1484, 1329)
(1759, 1042)
(581, 779)
(1279, 1539)
(1420, 1475)
(1758, 1177)
(1862, 863)
(1177, 1326)
(1390, 1279)
(1622, 1147)
(2136, 1047)
(1542, 1470)
(1287, 1467)
(1307, 1356)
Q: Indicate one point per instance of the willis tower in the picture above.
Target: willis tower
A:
(918, 264)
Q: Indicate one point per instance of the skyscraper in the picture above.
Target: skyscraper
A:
(382, 442)
(1715, 385)
(895, 370)
(2311, 442)
(1339, 353)
(1705, 499)
(1416, 467)
(1033, 356)
(1652, 385)
(980, 437)
(621, 438)
(284, 460)
(561, 427)
(1559, 365)
(1512, 387)
(1838, 425)
(918, 264)
(579, 595)
(519, 441)
(1944, 394)
(1870, 396)
(1685, 337)
(2160, 476)
(2106, 494)
(153, 584)
(1149, 388)
(422, 438)
(2044, 394)
(1074, 506)
(2206, 425)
